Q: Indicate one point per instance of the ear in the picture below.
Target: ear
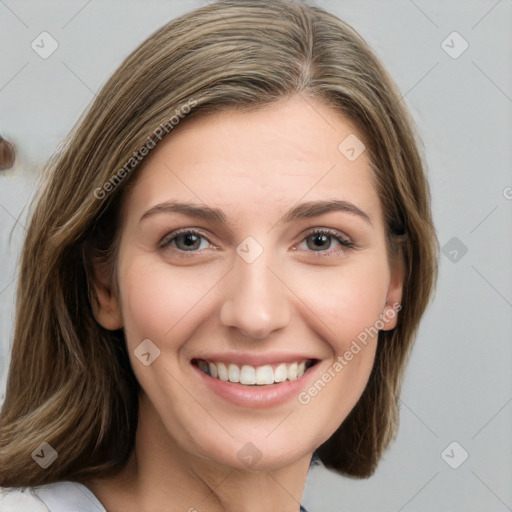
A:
(105, 304)
(394, 295)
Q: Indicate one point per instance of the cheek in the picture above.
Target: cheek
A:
(347, 300)
(345, 305)
(157, 301)
(164, 305)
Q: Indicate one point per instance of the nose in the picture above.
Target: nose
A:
(256, 299)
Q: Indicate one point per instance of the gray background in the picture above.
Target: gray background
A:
(458, 385)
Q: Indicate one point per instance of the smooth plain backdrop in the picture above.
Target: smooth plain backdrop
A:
(452, 63)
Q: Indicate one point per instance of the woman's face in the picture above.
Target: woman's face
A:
(253, 248)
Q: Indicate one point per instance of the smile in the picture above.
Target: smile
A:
(248, 375)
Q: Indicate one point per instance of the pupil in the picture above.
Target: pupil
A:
(190, 240)
(320, 239)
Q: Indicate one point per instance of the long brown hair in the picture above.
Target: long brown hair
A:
(70, 383)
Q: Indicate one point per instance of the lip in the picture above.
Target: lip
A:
(258, 396)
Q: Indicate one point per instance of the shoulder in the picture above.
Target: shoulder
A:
(55, 497)
(16, 499)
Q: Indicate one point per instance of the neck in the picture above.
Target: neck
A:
(162, 476)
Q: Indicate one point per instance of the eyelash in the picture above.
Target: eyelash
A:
(343, 241)
(339, 237)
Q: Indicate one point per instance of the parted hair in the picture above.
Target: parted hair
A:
(70, 383)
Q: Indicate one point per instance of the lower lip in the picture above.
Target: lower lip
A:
(257, 397)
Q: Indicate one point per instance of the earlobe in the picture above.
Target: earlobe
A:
(104, 302)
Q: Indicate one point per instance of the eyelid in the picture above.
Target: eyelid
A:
(329, 231)
(343, 239)
(164, 242)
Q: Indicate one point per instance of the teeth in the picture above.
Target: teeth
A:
(234, 373)
(280, 373)
(264, 375)
(292, 371)
(247, 375)
(204, 366)
(222, 372)
(250, 375)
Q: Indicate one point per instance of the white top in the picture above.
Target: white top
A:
(58, 497)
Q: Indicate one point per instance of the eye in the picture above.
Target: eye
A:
(321, 240)
(187, 240)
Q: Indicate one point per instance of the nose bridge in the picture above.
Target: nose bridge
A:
(256, 301)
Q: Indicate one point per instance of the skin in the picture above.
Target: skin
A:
(294, 298)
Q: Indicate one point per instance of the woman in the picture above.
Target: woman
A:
(223, 274)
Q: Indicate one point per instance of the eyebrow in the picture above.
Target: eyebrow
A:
(302, 211)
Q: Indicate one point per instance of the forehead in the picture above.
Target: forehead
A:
(255, 162)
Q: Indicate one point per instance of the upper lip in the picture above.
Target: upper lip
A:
(252, 359)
